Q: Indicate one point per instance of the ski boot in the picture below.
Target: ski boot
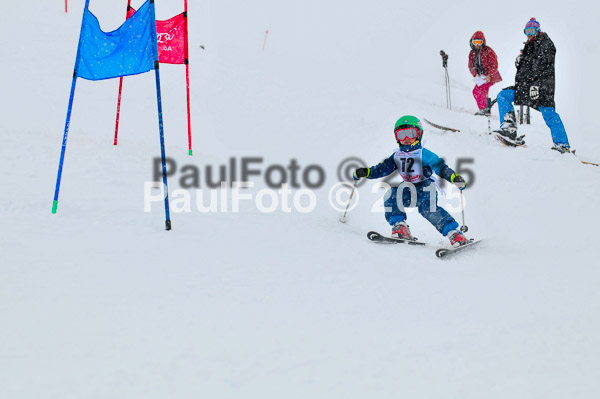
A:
(483, 112)
(401, 230)
(457, 238)
(561, 148)
(508, 130)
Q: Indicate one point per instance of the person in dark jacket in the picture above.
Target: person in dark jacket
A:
(483, 65)
(534, 87)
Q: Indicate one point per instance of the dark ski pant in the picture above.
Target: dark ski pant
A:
(559, 136)
(437, 216)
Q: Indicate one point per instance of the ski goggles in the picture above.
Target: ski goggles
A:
(477, 42)
(403, 133)
(531, 31)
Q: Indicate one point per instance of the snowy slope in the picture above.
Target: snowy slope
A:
(99, 301)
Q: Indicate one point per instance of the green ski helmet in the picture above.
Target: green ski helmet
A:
(406, 122)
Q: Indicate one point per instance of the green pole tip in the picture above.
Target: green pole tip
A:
(190, 153)
(54, 206)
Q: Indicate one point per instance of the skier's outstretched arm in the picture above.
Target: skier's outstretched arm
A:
(440, 168)
(382, 169)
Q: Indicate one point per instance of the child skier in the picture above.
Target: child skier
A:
(416, 165)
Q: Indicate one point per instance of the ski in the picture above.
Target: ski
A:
(509, 143)
(584, 162)
(589, 163)
(379, 238)
(450, 129)
(443, 252)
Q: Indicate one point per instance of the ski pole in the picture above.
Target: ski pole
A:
(265, 42)
(489, 114)
(444, 58)
(520, 114)
(343, 218)
(448, 86)
(445, 65)
(464, 227)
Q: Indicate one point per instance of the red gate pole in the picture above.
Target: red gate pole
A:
(187, 76)
(120, 87)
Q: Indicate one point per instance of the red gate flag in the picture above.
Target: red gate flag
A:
(172, 46)
(171, 39)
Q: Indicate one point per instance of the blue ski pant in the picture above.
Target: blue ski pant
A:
(421, 198)
(559, 136)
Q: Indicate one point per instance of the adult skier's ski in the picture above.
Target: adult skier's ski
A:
(589, 163)
(584, 162)
(509, 143)
(376, 237)
(443, 252)
(441, 127)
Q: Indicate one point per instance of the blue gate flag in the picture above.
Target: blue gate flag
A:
(125, 51)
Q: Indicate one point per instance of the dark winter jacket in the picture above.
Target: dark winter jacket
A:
(535, 73)
(484, 61)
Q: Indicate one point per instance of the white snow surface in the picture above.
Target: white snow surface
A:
(99, 301)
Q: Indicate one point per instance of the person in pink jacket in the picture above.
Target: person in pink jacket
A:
(483, 65)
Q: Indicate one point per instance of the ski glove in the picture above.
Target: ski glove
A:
(458, 181)
(361, 172)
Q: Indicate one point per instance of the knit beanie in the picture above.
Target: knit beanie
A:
(532, 23)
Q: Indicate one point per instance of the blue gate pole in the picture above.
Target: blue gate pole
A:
(67, 123)
(162, 148)
(64, 145)
(160, 121)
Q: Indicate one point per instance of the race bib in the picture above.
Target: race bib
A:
(410, 165)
